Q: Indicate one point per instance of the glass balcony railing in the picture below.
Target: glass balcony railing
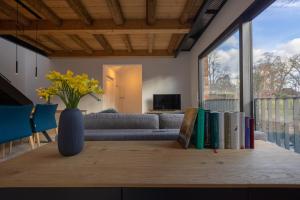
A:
(222, 105)
(279, 118)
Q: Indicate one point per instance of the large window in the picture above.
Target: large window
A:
(220, 76)
(270, 75)
(276, 72)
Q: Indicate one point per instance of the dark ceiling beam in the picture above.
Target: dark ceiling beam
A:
(55, 41)
(35, 43)
(13, 14)
(174, 42)
(103, 42)
(116, 11)
(80, 42)
(81, 11)
(127, 42)
(151, 11)
(150, 43)
(103, 26)
(42, 9)
(118, 53)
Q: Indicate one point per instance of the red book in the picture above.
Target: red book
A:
(251, 133)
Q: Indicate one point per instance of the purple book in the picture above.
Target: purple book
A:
(247, 132)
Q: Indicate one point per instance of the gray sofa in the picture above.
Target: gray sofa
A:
(117, 126)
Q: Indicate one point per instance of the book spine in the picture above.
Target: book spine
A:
(227, 135)
(252, 123)
(200, 129)
(242, 130)
(247, 132)
(221, 131)
(234, 130)
(207, 130)
(214, 129)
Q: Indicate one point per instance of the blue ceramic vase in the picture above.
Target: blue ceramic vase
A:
(70, 132)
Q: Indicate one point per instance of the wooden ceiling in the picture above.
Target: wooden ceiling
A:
(99, 27)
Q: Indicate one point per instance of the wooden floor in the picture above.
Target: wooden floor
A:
(153, 164)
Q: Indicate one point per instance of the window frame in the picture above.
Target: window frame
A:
(244, 26)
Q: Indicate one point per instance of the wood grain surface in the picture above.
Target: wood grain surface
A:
(153, 164)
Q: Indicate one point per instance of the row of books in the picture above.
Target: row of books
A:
(223, 130)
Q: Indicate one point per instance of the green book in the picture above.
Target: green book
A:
(200, 123)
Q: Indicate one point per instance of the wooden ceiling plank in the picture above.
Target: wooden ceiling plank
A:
(103, 53)
(101, 27)
(35, 43)
(126, 40)
(13, 14)
(40, 7)
(81, 43)
(116, 11)
(150, 43)
(174, 42)
(186, 13)
(56, 42)
(103, 42)
(151, 11)
(81, 11)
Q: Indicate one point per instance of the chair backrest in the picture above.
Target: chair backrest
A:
(14, 122)
(44, 117)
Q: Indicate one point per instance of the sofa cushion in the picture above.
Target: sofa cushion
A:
(170, 121)
(120, 121)
(133, 134)
(109, 110)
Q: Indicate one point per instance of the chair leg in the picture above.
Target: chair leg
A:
(3, 150)
(31, 142)
(37, 136)
(56, 131)
(47, 136)
(10, 146)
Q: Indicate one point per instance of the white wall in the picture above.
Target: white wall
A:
(160, 75)
(231, 11)
(25, 80)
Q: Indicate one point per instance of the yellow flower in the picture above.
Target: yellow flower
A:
(69, 88)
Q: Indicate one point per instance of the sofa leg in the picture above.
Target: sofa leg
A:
(37, 138)
(31, 142)
(3, 150)
(10, 146)
(47, 136)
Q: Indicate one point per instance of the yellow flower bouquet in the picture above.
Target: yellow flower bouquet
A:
(69, 88)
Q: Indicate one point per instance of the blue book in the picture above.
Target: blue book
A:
(214, 130)
(247, 132)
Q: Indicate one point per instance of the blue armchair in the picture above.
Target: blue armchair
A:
(15, 124)
(43, 119)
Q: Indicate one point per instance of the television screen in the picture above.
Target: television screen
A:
(166, 102)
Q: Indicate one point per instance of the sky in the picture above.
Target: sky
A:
(276, 29)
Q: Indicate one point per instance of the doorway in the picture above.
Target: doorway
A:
(123, 88)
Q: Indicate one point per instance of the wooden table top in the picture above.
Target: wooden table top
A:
(153, 164)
